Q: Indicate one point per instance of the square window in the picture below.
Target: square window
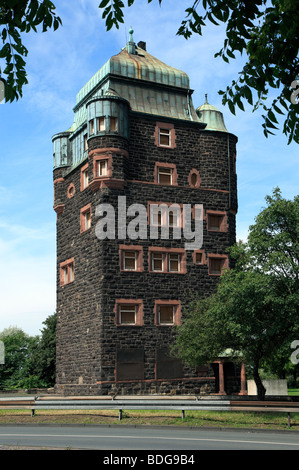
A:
(215, 265)
(165, 175)
(100, 124)
(166, 314)
(130, 260)
(164, 137)
(127, 314)
(216, 221)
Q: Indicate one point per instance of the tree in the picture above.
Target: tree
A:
(268, 33)
(18, 353)
(44, 356)
(17, 17)
(254, 310)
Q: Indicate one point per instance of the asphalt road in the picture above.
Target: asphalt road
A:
(125, 438)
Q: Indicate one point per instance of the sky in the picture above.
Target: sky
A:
(58, 65)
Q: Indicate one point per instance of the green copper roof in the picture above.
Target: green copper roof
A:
(211, 116)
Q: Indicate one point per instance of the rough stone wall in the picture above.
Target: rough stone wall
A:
(88, 339)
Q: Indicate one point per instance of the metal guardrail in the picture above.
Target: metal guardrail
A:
(183, 404)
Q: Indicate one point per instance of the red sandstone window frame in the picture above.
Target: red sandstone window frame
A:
(159, 167)
(125, 303)
(67, 272)
(195, 257)
(85, 218)
(176, 308)
(169, 127)
(221, 216)
(84, 177)
(138, 251)
(71, 190)
(100, 158)
(222, 262)
(198, 178)
(166, 254)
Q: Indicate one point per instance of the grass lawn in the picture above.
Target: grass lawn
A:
(253, 420)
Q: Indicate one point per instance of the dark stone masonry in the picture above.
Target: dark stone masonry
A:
(137, 139)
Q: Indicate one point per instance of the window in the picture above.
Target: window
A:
(67, 272)
(85, 142)
(113, 124)
(85, 218)
(165, 215)
(174, 262)
(71, 191)
(91, 127)
(128, 312)
(217, 263)
(102, 168)
(165, 135)
(194, 179)
(216, 221)
(100, 124)
(167, 312)
(167, 260)
(131, 258)
(157, 262)
(165, 173)
(102, 165)
(84, 180)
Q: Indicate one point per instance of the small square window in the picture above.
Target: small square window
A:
(130, 260)
(127, 314)
(215, 265)
(166, 314)
(164, 137)
(165, 175)
(216, 221)
(100, 124)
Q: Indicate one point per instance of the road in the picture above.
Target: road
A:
(143, 438)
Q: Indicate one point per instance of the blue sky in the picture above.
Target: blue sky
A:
(58, 65)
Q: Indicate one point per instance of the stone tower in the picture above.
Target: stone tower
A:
(137, 142)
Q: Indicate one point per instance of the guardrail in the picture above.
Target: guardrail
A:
(183, 404)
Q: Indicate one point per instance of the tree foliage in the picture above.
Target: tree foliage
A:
(254, 311)
(267, 32)
(29, 361)
(18, 17)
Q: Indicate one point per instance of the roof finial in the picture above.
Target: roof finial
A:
(206, 96)
(131, 48)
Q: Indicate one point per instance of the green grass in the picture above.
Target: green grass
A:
(223, 419)
(293, 391)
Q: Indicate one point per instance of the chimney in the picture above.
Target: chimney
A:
(142, 45)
